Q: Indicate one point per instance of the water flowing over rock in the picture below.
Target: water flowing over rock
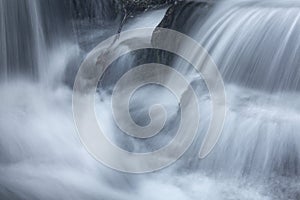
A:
(255, 45)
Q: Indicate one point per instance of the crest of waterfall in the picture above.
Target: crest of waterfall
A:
(256, 44)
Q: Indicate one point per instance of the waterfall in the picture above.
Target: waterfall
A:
(30, 32)
(260, 44)
(21, 38)
(256, 46)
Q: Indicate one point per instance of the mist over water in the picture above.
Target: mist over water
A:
(256, 47)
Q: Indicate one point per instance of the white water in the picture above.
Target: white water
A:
(257, 157)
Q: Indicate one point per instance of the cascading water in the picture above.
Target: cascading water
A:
(25, 34)
(256, 47)
(21, 37)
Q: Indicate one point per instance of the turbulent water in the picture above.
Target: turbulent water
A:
(256, 46)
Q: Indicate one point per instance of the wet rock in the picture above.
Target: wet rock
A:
(142, 5)
(182, 15)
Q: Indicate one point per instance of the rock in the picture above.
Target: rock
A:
(142, 5)
(182, 15)
(93, 9)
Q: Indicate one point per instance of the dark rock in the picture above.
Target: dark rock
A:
(182, 15)
(142, 5)
(94, 9)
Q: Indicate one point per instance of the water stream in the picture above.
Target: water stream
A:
(256, 46)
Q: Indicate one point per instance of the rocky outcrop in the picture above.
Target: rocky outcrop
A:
(182, 15)
(107, 10)
(142, 5)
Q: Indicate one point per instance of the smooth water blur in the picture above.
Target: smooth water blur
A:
(257, 49)
(255, 45)
(28, 31)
